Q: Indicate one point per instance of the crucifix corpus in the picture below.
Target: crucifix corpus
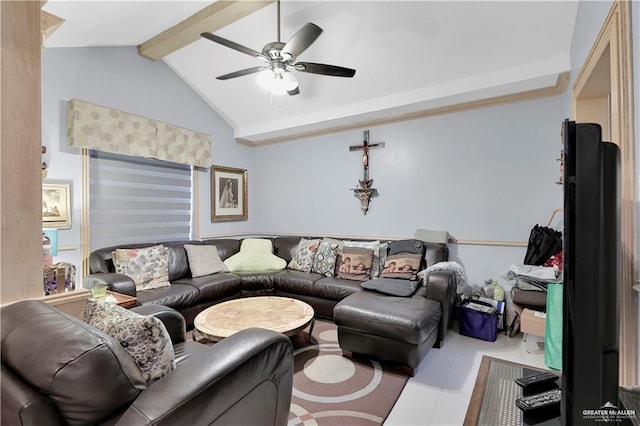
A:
(365, 191)
(365, 147)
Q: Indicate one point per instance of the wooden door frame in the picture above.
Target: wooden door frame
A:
(616, 115)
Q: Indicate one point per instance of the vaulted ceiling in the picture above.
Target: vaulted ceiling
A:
(413, 58)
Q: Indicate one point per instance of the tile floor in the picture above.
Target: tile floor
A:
(440, 391)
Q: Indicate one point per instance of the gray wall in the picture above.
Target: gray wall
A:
(486, 174)
(119, 78)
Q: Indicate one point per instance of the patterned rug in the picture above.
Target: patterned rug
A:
(329, 389)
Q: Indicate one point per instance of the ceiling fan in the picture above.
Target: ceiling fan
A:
(280, 60)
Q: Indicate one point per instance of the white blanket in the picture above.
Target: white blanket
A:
(458, 272)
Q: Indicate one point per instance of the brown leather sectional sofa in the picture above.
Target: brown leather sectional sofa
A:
(190, 295)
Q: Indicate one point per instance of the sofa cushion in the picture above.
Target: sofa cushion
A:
(355, 263)
(204, 260)
(255, 255)
(148, 266)
(325, 261)
(176, 296)
(178, 261)
(227, 247)
(392, 287)
(296, 282)
(285, 247)
(305, 253)
(216, 286)
(379, 253)
(86, 372)
(143, 337)
(334, 288)
(251, 281)
(403, 266)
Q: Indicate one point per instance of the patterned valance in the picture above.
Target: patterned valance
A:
(107, 129)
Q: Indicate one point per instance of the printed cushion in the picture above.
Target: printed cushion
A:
(379, 253)
(148, 267)
(403, 265)
(391, 286)
(305, 253)
(325, 261)
(256, 254)
(204, 260)
(145, 338)
(355, 263)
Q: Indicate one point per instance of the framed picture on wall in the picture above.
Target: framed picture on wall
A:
(56, 205)
(228, 194)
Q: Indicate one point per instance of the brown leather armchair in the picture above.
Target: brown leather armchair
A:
(58, 370)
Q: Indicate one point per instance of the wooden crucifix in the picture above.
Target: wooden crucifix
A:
(365, 153)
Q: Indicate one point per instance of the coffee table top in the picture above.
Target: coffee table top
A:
(282, 314)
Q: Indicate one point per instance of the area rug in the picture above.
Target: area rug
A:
(495, 391)
(329, 389)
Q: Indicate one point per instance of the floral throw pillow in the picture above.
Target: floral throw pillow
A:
(402, 265)
(148, 267)
(145, 338)
(305, 253)
(325, 261)
(355, 263)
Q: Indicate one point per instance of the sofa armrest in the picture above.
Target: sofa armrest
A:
(245, 377)
(120, 283)
(173, 320)
(441, 286)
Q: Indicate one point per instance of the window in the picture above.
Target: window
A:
(135, 199)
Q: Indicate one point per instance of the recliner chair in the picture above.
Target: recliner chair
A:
(57, 369)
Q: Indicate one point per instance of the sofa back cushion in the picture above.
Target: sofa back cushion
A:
(227, 247)
(83, 370)
(101, 260)
(286, 247)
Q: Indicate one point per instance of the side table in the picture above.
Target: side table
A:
(124, 300)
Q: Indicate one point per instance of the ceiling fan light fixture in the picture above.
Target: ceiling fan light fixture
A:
(278, 83)
(265, 79)
(290, 81)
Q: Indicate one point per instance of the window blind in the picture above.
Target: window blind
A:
(136, 199)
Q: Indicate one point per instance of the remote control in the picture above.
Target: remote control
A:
(536, 380)
(545, 400)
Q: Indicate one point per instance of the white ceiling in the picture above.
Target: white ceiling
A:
(410, 56)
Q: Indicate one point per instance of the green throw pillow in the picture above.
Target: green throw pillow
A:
(255, 255)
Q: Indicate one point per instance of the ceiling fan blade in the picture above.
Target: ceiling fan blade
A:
(324, 69)
(235, 46)
(294, 92)
(301, 40)
(241, 73)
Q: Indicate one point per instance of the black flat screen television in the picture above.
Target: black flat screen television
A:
(591, 272)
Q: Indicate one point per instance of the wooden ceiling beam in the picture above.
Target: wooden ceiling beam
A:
(211, 18)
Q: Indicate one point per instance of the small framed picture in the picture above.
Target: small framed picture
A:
(228, 194)
(56, 205)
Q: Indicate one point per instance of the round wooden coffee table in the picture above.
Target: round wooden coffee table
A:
(282, 314)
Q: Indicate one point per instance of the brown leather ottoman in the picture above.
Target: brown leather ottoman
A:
(388, 328)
